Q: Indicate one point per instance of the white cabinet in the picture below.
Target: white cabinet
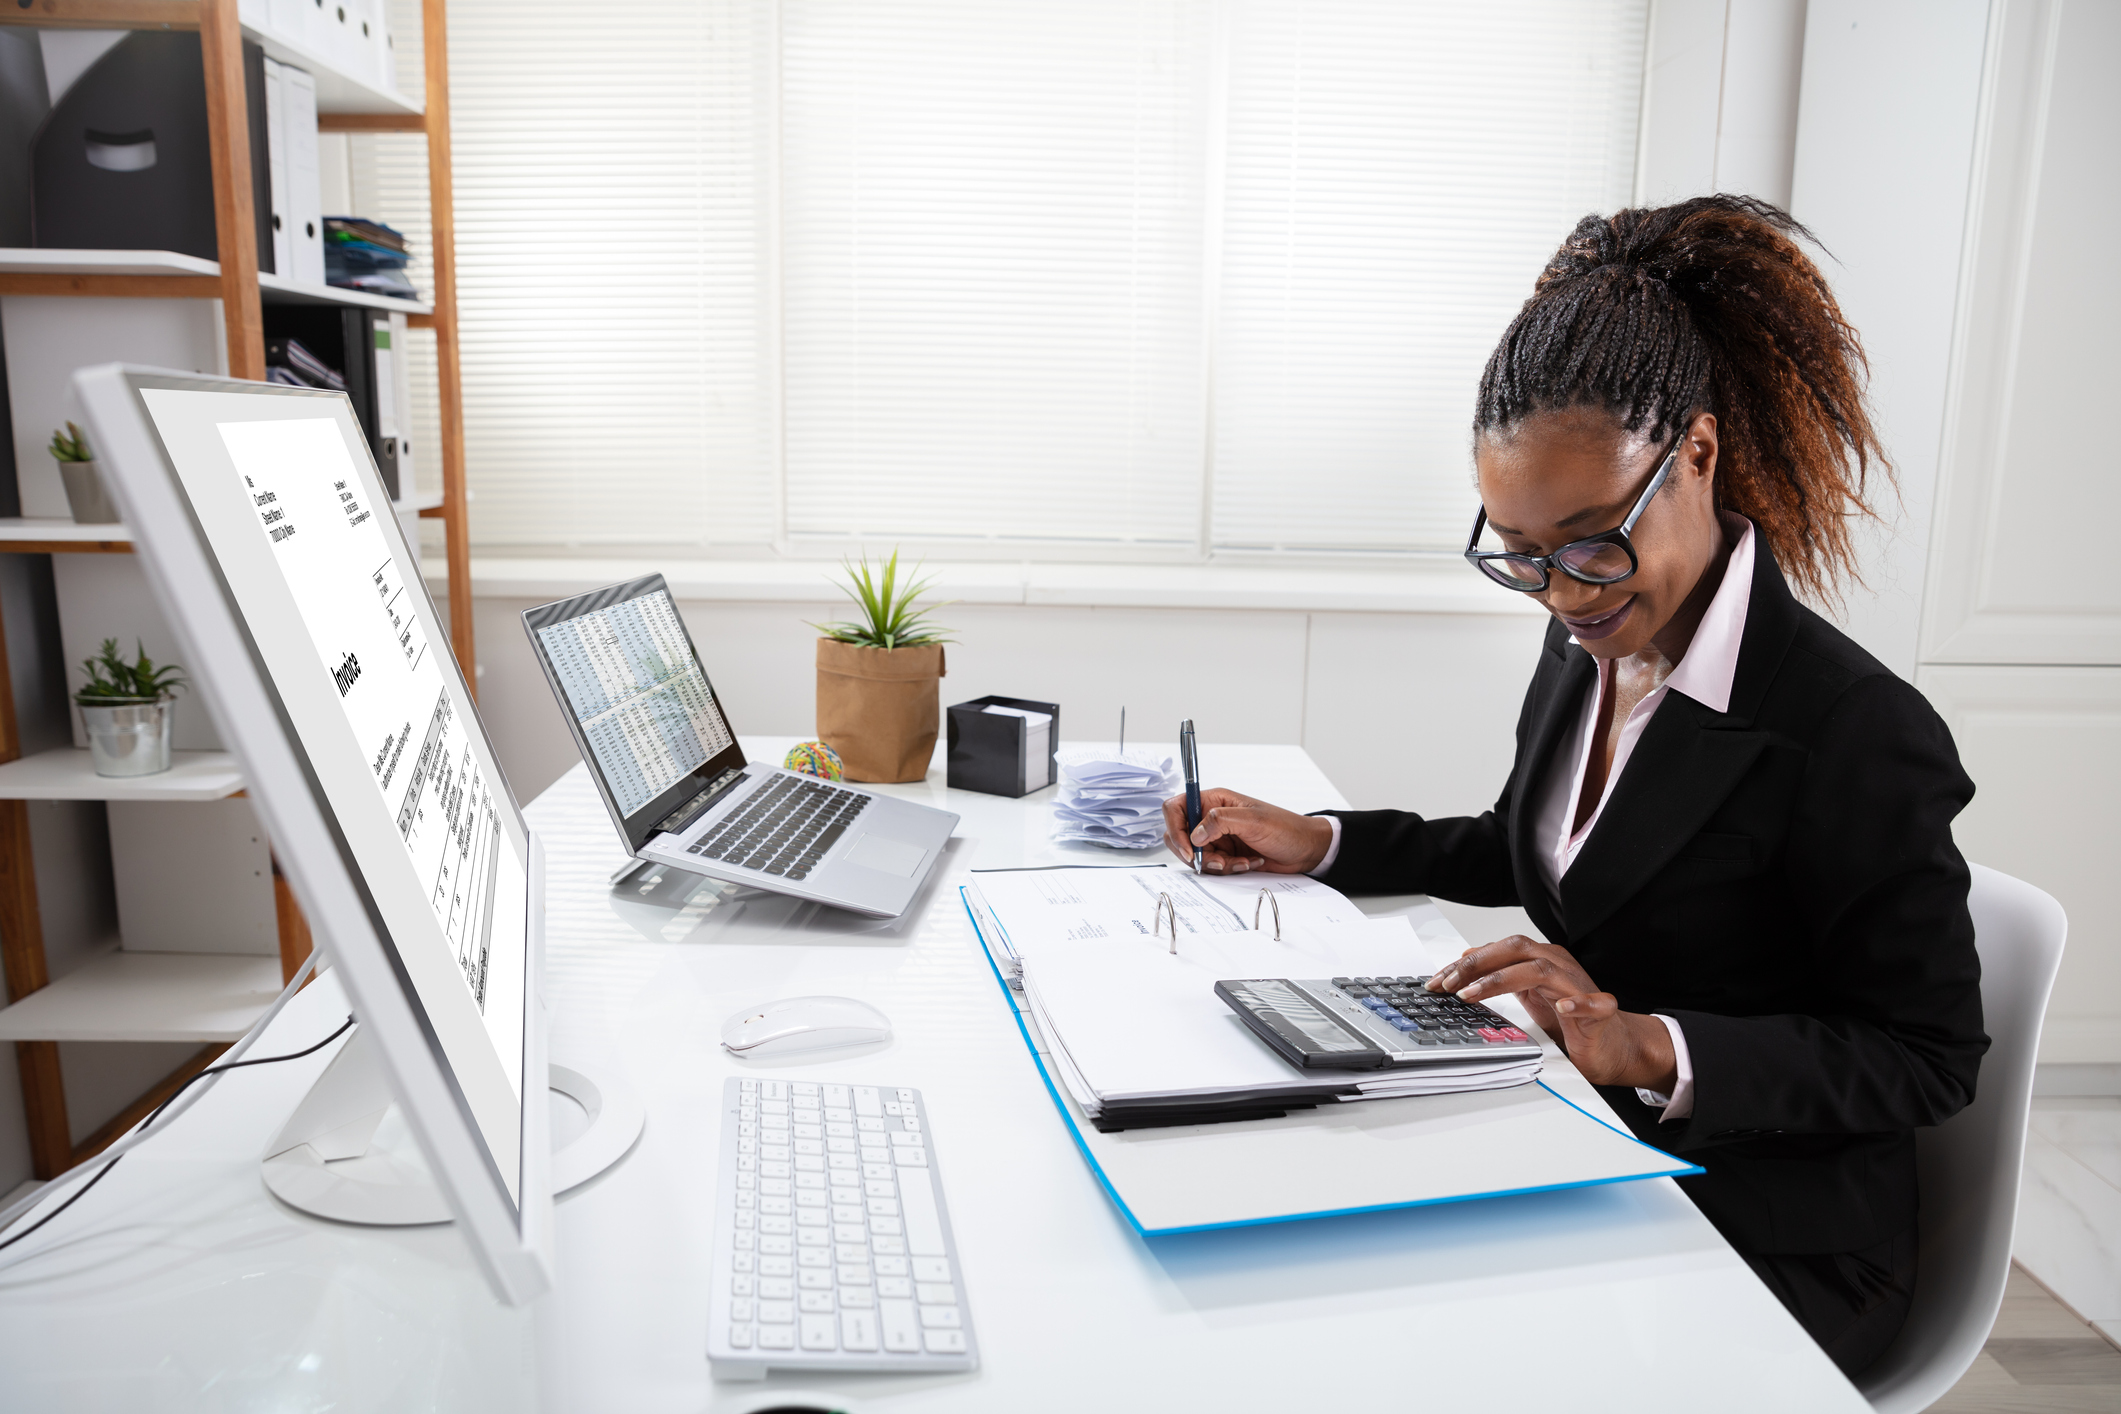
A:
(2044, 748)
(2029, 468)
(2021, 623)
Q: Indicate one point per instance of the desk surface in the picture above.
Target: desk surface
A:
(180, 1283)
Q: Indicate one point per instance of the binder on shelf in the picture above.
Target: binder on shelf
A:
(299, 22)
(305, 186)
(349, 340)
(281, 250)
(1003, 745)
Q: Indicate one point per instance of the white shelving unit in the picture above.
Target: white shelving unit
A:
(181, 311)
(148, 996)
(67, 773)
(273, 289)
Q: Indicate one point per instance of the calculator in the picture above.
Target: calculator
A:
(1372, 1023)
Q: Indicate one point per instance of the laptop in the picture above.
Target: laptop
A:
(679, 787)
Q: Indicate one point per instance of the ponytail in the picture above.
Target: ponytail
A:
(1708, 305)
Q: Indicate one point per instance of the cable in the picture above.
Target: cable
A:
(344, 1027)
(168, 1112)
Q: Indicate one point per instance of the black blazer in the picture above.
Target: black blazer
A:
(1781, 880)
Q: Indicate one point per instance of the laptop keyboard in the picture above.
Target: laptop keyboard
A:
(784, 829)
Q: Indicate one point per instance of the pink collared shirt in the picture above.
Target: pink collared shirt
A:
(1705, 674)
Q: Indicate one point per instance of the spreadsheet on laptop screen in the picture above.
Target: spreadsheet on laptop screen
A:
(639, 695)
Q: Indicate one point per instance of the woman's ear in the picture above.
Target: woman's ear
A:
(1699, 454)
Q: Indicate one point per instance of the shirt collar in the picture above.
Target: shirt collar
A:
(1711, 662)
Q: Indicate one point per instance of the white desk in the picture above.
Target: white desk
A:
(179, 1283)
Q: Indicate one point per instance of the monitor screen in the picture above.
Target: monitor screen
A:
(638, 695)
(322, 580)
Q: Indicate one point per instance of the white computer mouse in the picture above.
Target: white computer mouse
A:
(794, 1024)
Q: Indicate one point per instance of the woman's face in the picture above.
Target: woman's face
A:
(1571, 474)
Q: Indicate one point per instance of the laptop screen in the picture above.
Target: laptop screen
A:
(641, 703)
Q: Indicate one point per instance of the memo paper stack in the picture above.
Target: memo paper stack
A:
(1115, 799)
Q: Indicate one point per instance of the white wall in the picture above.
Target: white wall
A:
(1413, 710)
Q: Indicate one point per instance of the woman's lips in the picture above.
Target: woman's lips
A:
(1601, 627)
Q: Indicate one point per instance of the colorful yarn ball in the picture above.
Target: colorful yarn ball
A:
(814, 758)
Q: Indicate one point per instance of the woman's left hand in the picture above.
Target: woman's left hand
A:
(1608, 1045)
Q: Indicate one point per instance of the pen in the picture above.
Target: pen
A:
(1189, 757)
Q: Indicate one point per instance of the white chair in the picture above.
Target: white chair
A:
(1969, 1164)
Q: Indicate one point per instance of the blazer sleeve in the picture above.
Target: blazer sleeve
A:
(1897, 1038)
(1464, 858)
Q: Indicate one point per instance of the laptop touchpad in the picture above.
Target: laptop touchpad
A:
(886, 856)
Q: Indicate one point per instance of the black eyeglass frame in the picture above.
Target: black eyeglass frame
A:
(1546, 564)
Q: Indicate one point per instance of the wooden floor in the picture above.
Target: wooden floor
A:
(2040, 1359)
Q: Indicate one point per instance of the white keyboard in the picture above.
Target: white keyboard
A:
(832, 1246)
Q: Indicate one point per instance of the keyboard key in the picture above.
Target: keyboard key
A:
(821, 1333)
(742, 1285)
(776, 1289)
(853, 1276)
(815, 1301)
(911, 1158)
(901, 1287)
(924, 1224)
(946, 1342)
(776, 1313)
(902, 1330)
(776, 1337)
(777, 1266)
(933, 1317)
(741, 1309)
(858, 1330)
(893, 1267)
(936, 1293)
(931, 1269)
(856, 1297)
(814, 1279)
(740, 1336)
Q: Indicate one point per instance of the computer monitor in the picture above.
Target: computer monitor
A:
(305, 627)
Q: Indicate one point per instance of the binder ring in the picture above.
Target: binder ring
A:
(1164, 905)
(1267, 899)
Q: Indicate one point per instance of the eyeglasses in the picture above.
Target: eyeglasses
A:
(1601, 559)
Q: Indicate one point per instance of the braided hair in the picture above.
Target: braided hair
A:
(1708, 305)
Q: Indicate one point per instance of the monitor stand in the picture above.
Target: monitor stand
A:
(347, 1154)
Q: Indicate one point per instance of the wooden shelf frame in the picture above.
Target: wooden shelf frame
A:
(237, 285)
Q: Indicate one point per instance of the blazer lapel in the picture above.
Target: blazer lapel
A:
(1564, 677)
(1688, 760)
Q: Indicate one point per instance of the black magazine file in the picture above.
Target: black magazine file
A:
(123, 161)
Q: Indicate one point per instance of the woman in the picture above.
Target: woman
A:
(1732, 822)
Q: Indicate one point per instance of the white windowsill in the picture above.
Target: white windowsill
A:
(1439, 585)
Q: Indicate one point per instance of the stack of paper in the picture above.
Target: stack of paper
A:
(1135, 1029)
(1116, 800)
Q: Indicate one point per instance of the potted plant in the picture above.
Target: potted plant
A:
(127, 708)
(85, 495)
(878, 702)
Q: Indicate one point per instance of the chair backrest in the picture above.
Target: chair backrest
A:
(1969, 1164)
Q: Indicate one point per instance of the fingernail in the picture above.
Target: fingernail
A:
(1565, 1006)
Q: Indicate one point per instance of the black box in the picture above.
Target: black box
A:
(988, 750)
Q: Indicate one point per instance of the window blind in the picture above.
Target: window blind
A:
(612, 292)
(1397, 175)
(990, 226)
(1110, 278)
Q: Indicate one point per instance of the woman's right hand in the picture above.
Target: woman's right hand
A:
(1238, 834)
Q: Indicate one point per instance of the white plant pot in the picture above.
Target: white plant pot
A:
(129, 739)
